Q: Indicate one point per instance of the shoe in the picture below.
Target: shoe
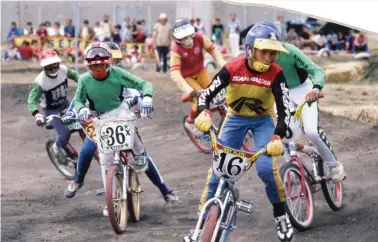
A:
(285, 230)
(337, 172)
(171, 197)
(141, 163)
(188, 237)
(70, 191)
(105, 211)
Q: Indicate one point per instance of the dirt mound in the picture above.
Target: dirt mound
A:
(345, 72)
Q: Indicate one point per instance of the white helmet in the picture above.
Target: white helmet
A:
(183, 32)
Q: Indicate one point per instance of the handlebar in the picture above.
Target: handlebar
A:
(298, 110)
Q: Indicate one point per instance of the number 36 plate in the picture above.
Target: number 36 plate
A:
(115, 135)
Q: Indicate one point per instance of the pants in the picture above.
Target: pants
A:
(310, 118)
(163, 55)
(234, 43)
(198, 82)
(64, 134)
(87, 153)
(232, 135)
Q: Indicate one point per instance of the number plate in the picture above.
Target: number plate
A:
(229, 162)
(114, 135)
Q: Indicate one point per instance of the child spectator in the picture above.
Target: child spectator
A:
(36, 49)
(26, 52)
(360, 44)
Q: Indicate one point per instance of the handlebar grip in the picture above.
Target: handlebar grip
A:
(321, 95)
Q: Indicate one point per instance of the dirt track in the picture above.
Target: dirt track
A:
(34, 208)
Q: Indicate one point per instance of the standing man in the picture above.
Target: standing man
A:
(162, 38)
(234, 34)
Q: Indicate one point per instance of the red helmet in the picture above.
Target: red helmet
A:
(98, 54)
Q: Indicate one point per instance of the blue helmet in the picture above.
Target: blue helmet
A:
(263, 37)
(267, 23)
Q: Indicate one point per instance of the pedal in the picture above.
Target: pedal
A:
(245, 206)
(100, 192)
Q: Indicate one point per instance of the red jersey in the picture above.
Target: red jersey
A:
(191, 59)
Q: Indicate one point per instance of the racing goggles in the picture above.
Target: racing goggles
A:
(97, 53)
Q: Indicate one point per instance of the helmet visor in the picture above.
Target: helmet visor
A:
(270, 44)
(100, 53)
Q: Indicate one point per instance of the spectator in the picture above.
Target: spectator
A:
(217, 32)
(360, 44)
(139, 35)
(125, 23)
(69, 29)
(144, 28)
(292, 37)
(320, 40)
(42, 33)
(11, 53)
(28, 30)
(234, 34)
(107, 28)
(36, 49)
(126, 35)
(116, 34)
(193, 24)
(133, 29)
(26, 52)
(70, 55)
(341, 41)
(50, 30)
(305, 38)
(86, 32)
(332, 41)
(350, 41)
(162, 38)
(149, 42)
(281, 26)
(98, 32)
(13, 32)
(57, 30)
(200, 27)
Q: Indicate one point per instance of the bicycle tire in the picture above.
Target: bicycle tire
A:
(203, 149)
(210, 224)
(133, 197)
(301, 226)
(118, 227)
(334, 205)
(49, 144)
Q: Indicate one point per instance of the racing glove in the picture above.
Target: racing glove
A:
(275, 146)
(203, 121)
(146, 107)
(84, 114)
(312, 96)
(39, 119)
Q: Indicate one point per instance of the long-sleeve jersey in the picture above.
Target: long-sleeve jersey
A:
(50, 92)
(106, 95)
(250, 93)
(296, 67)
(187, 62)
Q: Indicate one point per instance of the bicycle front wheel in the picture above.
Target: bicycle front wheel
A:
(133, 196)
(299, 200)
(117, 207)
(208, 229)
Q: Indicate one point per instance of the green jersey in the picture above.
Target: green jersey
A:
(297, 67)
(106, 95)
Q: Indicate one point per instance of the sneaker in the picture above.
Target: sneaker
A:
(171, 197)
(141, 163)
(70, 191)
(188, 237)
(285, 231)
(337, 173)
(105, 211)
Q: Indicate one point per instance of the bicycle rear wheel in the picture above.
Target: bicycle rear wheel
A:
(67, 167)
(202, 142)
(291, 178)
(117, 207)
(333, 193)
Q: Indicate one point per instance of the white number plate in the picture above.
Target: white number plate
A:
(114, 135)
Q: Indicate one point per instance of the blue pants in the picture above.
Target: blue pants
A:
(232, 135)
(64, 133)
(87, 153)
